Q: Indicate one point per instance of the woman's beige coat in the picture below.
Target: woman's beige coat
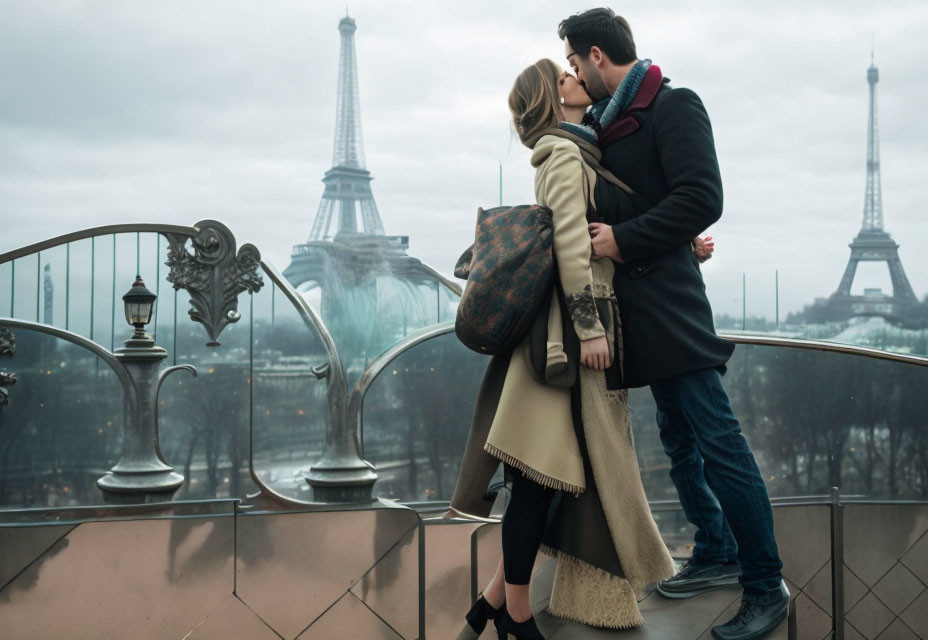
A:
(529, 425)
(533, 428)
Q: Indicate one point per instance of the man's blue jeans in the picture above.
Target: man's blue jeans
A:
(720, 487)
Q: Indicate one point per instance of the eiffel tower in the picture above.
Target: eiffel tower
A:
(370, 288)
(347, 183)
(874, 244)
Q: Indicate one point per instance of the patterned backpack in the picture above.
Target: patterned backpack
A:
(509, 272)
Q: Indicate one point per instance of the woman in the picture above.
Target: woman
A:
(564, 445)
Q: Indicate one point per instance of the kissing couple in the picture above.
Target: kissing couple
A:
(627, 166)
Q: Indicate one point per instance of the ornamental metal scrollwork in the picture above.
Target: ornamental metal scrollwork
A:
(7, 347)
(213, 274)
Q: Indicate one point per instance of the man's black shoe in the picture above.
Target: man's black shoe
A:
(698, 577)
(756, 617)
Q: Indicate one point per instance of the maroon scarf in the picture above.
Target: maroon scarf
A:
(626, 123)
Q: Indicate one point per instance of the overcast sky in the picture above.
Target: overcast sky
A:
(114, 111)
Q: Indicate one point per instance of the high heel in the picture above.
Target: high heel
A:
(477, 618)
(526, 630)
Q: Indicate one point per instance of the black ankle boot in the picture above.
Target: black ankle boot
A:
(477, 618)
(527, 630)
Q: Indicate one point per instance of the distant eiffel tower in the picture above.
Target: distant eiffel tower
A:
(348, 255)
(872, 243)
(347, 183)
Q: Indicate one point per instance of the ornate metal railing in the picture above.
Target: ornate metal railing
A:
(409, 423)
(201, 260)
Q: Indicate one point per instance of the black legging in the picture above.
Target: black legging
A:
(523, 526)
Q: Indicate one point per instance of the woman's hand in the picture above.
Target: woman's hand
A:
(703, 248)
(594, 354)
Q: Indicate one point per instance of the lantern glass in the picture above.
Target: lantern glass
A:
(138, 303)
(138, 313)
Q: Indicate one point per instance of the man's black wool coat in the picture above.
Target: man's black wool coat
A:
(670, 163)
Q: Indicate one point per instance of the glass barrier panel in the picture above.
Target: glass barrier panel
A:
(6, 289)
(814, 419)
(776, 300)
(370, 311)
(416, 419)
(75, 283)
(78, 286)
(62, 429)
(290, 405)
(24, 288)
(204, 420)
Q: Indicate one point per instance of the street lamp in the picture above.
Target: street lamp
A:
(138, 302)
(141, 469)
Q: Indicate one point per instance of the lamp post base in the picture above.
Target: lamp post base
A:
(345, 484)
(141, 483)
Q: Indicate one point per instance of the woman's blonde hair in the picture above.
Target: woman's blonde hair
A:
(533, 99)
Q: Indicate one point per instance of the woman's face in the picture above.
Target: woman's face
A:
(571, 93)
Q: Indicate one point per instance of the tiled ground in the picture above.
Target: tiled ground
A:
(665, 619)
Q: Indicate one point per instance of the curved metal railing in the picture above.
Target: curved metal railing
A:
(823, 345)
(332, 370)
(130, 389)
(344, 431)
(384, 361)
(95, 232)
(378, 365)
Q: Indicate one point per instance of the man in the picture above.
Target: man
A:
(659, 141)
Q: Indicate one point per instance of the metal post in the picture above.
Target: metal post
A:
(341, 474)
(744, 301)
(67, 285)
(154, 324)
(777, 290)
(474, 565)
(141, 470)
(93, 278)
(273, 289)
(500, 183)
(38, 284)
(113, 301)
(13, 289)
(174, 348)
(837, 564)
(251, 378)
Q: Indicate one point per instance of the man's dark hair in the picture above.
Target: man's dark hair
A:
(600, 28)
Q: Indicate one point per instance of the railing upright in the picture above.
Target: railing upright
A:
(67, 287)
(113, 301)
(93, 278)
(38, 285)
(837, 565)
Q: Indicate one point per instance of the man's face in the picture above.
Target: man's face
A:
(587, 73)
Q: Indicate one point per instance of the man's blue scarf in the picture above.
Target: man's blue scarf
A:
(608, 109)
(580, 130)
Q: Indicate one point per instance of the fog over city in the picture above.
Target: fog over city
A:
(174, 112)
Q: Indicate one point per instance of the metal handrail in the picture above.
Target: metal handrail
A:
(381, 362)
(451, 284)
(142, 227)
(128, 384)
(378, 365)
(822, 345)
